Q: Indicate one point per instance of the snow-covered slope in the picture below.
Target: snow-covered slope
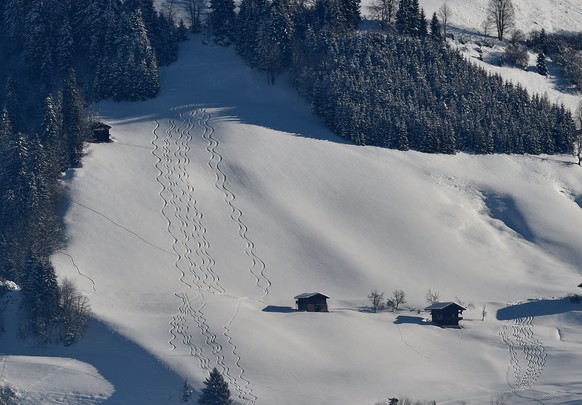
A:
(530, 15)
(223, 198)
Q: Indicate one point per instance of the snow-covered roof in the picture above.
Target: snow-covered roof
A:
(309, 295)
(442, 305)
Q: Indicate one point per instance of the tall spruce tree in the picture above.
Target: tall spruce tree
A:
(436, 29)
(222, 21)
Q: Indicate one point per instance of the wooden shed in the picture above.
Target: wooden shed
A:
(311, 302)
(446, 313)
(99, 132)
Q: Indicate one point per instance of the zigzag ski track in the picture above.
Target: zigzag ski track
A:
(257, 267)
(527, 355)
(193, 261)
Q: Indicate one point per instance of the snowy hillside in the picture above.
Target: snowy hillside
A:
(468, 15)
(223, 198)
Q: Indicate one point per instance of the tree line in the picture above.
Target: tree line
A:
(56, 57)
(402, 88)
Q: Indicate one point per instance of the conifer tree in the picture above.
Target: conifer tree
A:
(215, 391)
(74, 122)
(251, 17)
(436, 29)
(422, 24)
(222, 21)
(541, 64)
(40, 293)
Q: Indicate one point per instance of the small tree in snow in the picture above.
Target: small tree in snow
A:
(578, 115)
(432, 297)
(215, 391)
(483, 313)
(541, 64)
(376, 299)
(444, 14)
(399, 298)
(186, 391)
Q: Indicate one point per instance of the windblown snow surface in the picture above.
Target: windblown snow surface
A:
(224, 197)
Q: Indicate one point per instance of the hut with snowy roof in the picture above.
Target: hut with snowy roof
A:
(446, 313)
(100, 132)
(311, 302)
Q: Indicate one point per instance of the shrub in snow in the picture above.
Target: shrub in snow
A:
(75, 311)
(516, 55)
(8, 395)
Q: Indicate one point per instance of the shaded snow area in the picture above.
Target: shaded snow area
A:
(223, 198)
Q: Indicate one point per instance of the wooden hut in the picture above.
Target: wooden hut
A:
(99, 132)
(311, 302)
(446, 313)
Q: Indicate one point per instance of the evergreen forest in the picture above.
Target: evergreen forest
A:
(400, 88)
(57, 57)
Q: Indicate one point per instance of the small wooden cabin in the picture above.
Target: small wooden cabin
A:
(446, 313)
(99, 132)
(312, 302)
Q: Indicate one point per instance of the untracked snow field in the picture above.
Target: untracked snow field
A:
(224, 197)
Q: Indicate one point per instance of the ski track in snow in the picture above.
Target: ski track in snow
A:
(409, 346)
(523, 347)
(64, 366)
(257, 267)
(185, 227)
(79, 270)
(121, 226)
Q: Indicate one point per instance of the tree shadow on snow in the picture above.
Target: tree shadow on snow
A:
(136, 375)
(537, 308)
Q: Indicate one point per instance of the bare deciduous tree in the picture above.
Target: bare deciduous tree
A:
(468, 304)
(376, 299)
(384, 11)
(432, 297)
(578, 115)
(75, 311)
(195, 13)
(577, 147)
(483, 312)
(399, 298)
(445, 13)
(502, 14)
